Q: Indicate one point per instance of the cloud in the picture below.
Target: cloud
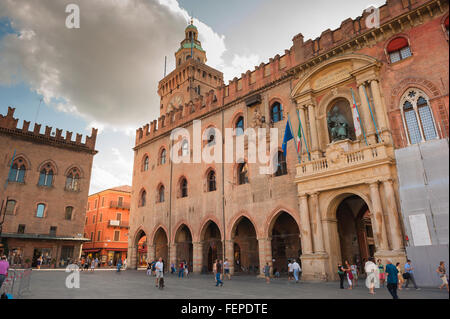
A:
(108, 70)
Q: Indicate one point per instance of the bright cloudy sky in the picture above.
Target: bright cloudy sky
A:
(105, 74)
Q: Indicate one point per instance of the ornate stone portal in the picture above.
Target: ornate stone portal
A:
(347, 178)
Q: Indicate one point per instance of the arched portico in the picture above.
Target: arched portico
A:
(184, 246)
(211, 246)
(244, 257)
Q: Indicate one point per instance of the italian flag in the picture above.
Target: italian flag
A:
(299, 140)
(356, 121)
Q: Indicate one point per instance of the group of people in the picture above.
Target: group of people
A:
(390, 274)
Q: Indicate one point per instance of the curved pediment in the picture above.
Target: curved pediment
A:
(332, 72)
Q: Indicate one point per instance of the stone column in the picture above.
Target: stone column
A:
(301, 111)
(173, 253)
(317, 224)
(314, 133)
(366, 117)
(132, 256)
(305, 226)
(378, 104)
(229, 254)
(265, 254)
(151, 252)
(378, 218)
(393, 216)
(197, 256)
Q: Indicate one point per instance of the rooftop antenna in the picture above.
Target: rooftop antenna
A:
(165, 65)
(39, 107)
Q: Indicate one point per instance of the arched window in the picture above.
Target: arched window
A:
(73, 180)
(143, 198)
(281, 167)
(242, 173)
(40, 210)
(398, 49)
(68, 213)
(146, 161)
(185, 148)
(239, 126)
(46, 176)
(418, 116)
(10, 207)
(17, 171)
(211, 181)
(184, 188)
(276, 112)
(162, 157)
(161, 194)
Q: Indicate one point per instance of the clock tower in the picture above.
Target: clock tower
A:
(192, 78)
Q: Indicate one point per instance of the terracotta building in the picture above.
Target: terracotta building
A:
(339, 199)
(107, 224)
(45, 183)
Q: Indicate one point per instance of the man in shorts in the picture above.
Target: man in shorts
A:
(226, 268)
(159, 269)
(290, 270)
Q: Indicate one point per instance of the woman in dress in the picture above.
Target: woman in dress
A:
(442, 274)
(354, 269)
(381, 272)
(400, 276)
(348, 270)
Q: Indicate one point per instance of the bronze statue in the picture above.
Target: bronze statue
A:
(338, 125)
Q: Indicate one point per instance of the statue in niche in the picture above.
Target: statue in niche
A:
(338, 125)
(257, 119)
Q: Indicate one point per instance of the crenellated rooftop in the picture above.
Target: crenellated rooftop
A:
(352, 34)
(8, 125)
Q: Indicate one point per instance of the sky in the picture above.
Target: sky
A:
(105, 73)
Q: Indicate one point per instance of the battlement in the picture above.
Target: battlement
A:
(178, 116)
(352, 34)
(9, 124)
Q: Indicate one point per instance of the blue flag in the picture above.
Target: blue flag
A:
(287, 137)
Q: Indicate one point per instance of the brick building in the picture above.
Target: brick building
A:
(107, 224)
(341, 201)
(45, 183)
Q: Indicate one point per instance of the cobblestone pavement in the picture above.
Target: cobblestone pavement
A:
(136, 284)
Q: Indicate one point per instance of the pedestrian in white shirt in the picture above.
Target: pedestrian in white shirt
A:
(290, 270)
(372, 274)
(296, 268)
(159, 267)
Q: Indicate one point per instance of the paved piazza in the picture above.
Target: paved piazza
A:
(135, 284)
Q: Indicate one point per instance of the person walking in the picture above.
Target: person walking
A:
(290, 270)
(4, 267)
(159, 268)
(226, 268)
(392, 279)
(125, 264)
(149, 268)
(381, 273)
(297, 269)
(442, 272)
(172, 268)
(186, 269)
(218, 273)
(400, 276)
(92, 265)
(355, 273)
(348, 270)
(181, 270)
(409, 272)
(267, 273)
(341, 273)
(371, 270)
(215, 269)
(119, 265)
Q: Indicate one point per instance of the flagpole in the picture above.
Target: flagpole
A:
(359, 117)
(303, 134)
(371, 113)
(292, 132)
